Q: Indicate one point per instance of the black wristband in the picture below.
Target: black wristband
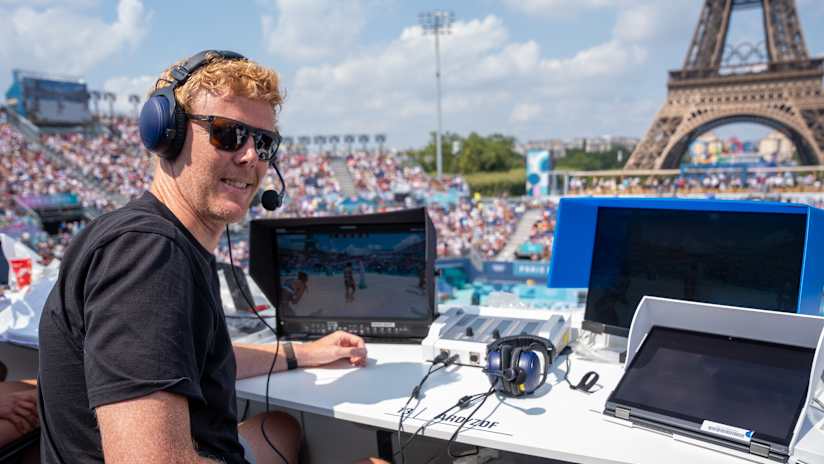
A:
(291, 360)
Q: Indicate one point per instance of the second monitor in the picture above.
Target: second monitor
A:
(739, 258)
(753, 254)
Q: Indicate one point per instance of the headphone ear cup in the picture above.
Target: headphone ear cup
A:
(153, 121)
(176, 143)
(518, 374)
(530, 366)
(163, 125)
(493, 366)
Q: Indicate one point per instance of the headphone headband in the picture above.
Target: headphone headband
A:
(181, 73)
(162, 121)
(522, 341)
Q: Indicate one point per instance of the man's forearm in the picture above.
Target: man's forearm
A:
(253, 359)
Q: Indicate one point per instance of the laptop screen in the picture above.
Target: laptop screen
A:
(722, 257)
(699, 377)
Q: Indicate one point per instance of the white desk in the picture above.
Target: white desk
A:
(559, 424)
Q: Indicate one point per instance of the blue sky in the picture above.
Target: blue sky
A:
(529, 68)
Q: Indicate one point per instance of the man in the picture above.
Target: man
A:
(136, 364)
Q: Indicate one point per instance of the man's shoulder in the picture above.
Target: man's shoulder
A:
(137, 219)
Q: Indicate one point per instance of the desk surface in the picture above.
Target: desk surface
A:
(560, 423)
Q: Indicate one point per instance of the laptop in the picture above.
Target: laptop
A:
(734, 392)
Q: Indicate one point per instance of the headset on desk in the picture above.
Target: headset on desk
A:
(513, 366)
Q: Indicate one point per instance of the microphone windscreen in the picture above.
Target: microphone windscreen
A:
(269, 200)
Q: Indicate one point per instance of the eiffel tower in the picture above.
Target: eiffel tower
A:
(720, 84)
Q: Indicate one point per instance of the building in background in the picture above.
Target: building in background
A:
(49, 100)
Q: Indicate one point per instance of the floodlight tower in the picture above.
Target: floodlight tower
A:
(320, 141)
(95, 97)
(135, 101)
(334, 140)
(381, 139)
(288, 144)
(436, 23)
(349, 139)
(110, 97)
(303, 143)
(363, 139)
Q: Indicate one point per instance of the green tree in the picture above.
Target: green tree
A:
(476, 153)
(579, 160)
(426, 156)
(487, 154)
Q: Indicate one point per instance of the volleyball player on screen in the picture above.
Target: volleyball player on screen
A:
(349, 283)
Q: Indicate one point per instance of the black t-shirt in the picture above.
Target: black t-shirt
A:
(136, 309)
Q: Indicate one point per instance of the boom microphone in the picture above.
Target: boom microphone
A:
(271, 199)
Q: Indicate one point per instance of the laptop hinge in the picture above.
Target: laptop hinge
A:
(759, 449)
(622, 413)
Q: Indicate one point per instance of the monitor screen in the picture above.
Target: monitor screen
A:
(375, 271)
(744, 259)
(694, 377)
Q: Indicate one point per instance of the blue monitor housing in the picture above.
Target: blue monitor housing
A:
(739, 253)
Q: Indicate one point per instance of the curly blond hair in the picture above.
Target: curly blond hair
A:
(221, 76)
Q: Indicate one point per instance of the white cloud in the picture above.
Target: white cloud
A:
(556, 7)
(62, 40)
(523, 112)
(638, 23)
(647, 21)
(484, 73)
(123, 87)
(312, 29)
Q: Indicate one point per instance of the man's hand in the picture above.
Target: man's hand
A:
(20, 408)
(337, 345)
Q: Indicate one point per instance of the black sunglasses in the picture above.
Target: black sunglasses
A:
(230, 135)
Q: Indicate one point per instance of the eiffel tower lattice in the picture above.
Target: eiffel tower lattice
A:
(782, 91)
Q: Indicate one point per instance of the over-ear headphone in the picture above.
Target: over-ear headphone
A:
(162, 120)
(513, 364)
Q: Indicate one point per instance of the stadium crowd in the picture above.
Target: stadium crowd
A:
(110, 167)
(539, 245)
(734, 181)
(27, 171)
(468, 224)
(115, 158)
(311, 188)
